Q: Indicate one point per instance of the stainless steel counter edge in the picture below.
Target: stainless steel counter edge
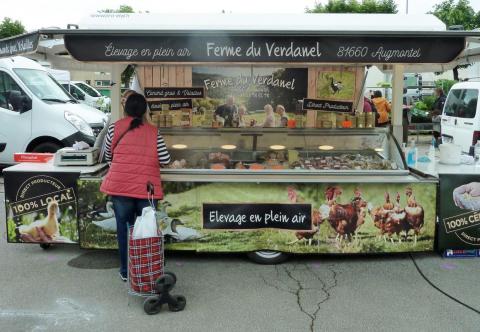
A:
(273, 178)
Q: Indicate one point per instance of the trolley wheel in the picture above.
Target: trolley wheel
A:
(171, 274)
(165, 283)
(152, 305)
(180, 305)
(267, 256)
(45, 246)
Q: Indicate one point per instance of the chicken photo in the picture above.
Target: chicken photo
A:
(414, 214)
(345, 219)
(307, 236)
(336, 86)
(392, 219)
(49, 225)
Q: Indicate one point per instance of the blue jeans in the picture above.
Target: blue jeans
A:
(126, 211)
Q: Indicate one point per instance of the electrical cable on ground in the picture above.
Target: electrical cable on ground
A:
(440, 290)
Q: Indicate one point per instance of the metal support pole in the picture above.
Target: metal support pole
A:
(397, 102)
(116, 72)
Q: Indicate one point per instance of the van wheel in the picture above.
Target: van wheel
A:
(267, 256)
(47, 147)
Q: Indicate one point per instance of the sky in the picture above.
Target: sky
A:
(59, 13)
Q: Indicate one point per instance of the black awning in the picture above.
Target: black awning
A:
(213, 46)
(242, 48)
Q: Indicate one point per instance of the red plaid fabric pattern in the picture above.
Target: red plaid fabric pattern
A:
(145, 263)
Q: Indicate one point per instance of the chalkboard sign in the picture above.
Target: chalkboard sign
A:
(23, 44)
(257, 216)
(173, 104)
(187, 48)
(174, 92)
(327, 105)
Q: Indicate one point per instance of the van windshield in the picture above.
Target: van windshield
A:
(462, 103)
(88, 89)
(43, 85)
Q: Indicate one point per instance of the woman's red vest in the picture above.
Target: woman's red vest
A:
(134, 162)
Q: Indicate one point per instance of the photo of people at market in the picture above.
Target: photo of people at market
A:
(250, 96)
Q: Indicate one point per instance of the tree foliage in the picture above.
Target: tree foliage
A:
(453, 12)
(445, 84)
(355, 6)
(9, 28)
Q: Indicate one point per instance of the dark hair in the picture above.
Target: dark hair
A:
(135, 106)
(440, 91)
(377, 94)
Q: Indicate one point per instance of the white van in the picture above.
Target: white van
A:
(461, 115)
(37, 114)
(87, 94)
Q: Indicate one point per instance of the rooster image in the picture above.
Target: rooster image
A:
(336, 86)
(414, 214)
(345, 219)
(395, 221)
(49, 225)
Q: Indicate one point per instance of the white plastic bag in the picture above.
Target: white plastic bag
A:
(146, 224)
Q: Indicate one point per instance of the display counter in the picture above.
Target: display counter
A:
(250, 190)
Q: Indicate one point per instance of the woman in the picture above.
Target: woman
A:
(242, 111)
(269, 118)
(136, 150)
(383, 108)
(280, 110)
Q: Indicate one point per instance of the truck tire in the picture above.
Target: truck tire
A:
(267, 256)
(47, 147)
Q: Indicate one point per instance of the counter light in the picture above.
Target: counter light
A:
(326, 147)
(179, 146)
(229, 147)
(277, 147)
(379, 149)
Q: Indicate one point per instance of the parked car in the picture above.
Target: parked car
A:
(37, 114)
(87, 94)
(461, 117)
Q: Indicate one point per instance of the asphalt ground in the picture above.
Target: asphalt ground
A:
(66, 288)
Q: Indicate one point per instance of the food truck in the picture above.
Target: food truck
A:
(263, 116)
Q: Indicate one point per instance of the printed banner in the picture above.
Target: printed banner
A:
(215, 217)
(459, 212)
(173, 92)
(327, 105)
(256, 215)
(187, 48)
(41, 208)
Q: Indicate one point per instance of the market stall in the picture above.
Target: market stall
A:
(311, 176)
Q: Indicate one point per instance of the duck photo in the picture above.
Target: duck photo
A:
(49, 225)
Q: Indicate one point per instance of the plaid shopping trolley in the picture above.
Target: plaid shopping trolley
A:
(146, 275)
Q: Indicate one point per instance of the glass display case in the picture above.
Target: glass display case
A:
(282, 150)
